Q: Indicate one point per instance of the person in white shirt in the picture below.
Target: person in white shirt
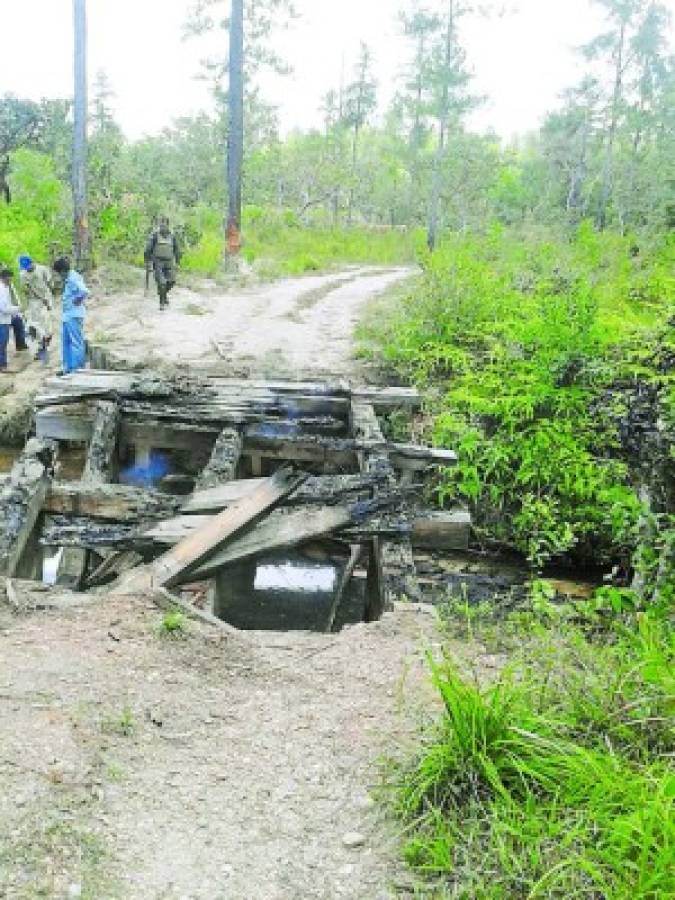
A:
(10, 317)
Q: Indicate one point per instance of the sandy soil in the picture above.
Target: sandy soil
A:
(134, 765)
(297, 326)
(140, 766)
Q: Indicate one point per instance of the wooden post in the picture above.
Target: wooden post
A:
(21, 503)
(225, 456)
(81, 235)
(101, 458)
(235, 138)
(391, 573)
(99, 469)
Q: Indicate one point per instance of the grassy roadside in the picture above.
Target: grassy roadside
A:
(536, 356)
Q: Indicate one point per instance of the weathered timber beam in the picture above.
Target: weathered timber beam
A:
(110, 385)
(101, 456)
(120, 503)
(21, 504)
(426, 531)
(92, 534)
(321, 490)
(392, 574)
(159, 435)
(100, 468)
(109, 502)
(224, 462)
(64, 423)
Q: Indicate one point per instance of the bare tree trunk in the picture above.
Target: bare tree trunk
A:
(81, 235)
(235, 139)
(608, 175)
(352, 187)
(444, 118)
(575, 194)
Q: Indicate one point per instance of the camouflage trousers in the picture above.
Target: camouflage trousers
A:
(165, 278)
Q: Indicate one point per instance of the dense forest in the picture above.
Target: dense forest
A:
(540, 326)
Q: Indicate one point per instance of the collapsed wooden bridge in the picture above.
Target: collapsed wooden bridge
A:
(189, 478)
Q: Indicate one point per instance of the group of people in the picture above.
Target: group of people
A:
(40, 286)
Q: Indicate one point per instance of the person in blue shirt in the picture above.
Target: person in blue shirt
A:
(74, 305)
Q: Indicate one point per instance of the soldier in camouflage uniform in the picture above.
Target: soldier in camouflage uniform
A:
(162, 256)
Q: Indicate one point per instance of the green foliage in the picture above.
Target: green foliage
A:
(37, 220)
(523, 340)
(555, 781)
(173, 624)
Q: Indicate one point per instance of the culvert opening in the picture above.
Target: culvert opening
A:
(307, 589)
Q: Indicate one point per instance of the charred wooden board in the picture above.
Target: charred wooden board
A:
(93, 384)
(197, 549)
(109, 502)
(21, 503)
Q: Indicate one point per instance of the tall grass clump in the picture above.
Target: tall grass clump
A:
(543, 784)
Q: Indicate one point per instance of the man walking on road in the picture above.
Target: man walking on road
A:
(162, 255)
(75, 294)
(37, 291)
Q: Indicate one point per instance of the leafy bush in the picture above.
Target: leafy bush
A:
(519, 343)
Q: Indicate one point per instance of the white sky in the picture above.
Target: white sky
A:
(522, 61)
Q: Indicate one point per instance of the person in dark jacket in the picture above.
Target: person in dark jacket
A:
(162, 256)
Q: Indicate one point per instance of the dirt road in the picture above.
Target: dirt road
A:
(296, 326)
(135, 765)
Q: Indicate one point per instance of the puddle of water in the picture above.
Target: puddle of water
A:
(296, 577)
(289, 592)
(51, 561)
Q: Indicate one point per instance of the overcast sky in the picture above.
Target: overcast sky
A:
(522, 61)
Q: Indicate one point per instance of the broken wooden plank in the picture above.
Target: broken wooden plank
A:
(186, 558)
(224, 462)
(109, 502)
(98, 384)
(317, 490)
(284, 529)
(114, 566)
(21, 504)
